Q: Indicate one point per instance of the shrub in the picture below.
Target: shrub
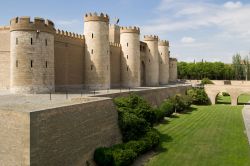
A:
(181, 103)
(123, 157)
(167, 107)
(137, 105)
(206, 81)
(132, 127)
(198, 96)
(103, 156)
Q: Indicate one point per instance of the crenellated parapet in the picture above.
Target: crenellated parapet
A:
(163, 43)
(25, 24)
(4, 28)
(96, 17)
(151, 38)
(130, 29)
(173, 59)
(114, 44)
(61, 33)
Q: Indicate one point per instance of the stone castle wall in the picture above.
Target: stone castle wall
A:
(5, 57)
(63, 60)
(173, 70)
(69, 61)
(115, 65)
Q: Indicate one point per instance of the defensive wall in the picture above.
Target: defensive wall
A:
(63, 132)
(37, 58)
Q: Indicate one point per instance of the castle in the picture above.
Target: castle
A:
(37, 58)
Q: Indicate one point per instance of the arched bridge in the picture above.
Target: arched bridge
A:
(234, 91)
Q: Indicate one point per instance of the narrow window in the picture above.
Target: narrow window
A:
(16, 63)
(31, 41)
(148, 50)
(161, 53)
(107, 51)
(92, 35)
(91, 67)
(110, 52)
(46, 42)
(16, 41)
(16, 20)
(46, 64)
(127, 44)
(127, 56)
(149, 60)
(92, 51)
(31, 63)
(127, 68)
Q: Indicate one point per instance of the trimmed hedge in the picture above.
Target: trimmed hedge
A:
(125, 154)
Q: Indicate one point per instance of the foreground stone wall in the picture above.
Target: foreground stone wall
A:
(154, 96)
(14, 138)
(69, 135)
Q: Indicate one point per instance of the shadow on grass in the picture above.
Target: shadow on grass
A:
(243, 103)
(164, 138)
(188, 111)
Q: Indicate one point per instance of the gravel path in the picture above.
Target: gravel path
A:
(246, 117)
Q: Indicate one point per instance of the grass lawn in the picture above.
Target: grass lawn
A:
(243, 99)
(207, 136)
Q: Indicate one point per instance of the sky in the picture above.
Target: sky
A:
(212, 30)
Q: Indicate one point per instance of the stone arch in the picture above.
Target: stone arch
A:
(217, 97)
(242, 103)
(143, 74)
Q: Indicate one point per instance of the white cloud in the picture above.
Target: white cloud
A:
(233, 5)
(222, 28)
(187, 40)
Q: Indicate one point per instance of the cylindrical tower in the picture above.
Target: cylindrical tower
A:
(130, 58)
(163, 47)
(32, 55)
(97, 51)
(152, 60)
(173, 70)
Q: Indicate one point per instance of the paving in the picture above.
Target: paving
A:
(246, 117)
(36, 102)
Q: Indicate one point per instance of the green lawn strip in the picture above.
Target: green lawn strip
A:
(211, 135)
(242, 99)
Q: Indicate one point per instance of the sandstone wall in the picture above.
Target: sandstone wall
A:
(115, 65)
(14, 138)
(154, 96)
(69, 62)
(4, 57)
(68, 136)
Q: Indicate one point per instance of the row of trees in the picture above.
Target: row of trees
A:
(238, 70)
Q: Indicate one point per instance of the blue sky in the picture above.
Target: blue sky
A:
(212, 30)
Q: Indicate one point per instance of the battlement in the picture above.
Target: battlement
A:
(172, 59)
(61, 33)
(130, 29)
(114, 44)
(150, 38)
(96, 17)
(4, 28)
(25, 24)
(163, 43)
